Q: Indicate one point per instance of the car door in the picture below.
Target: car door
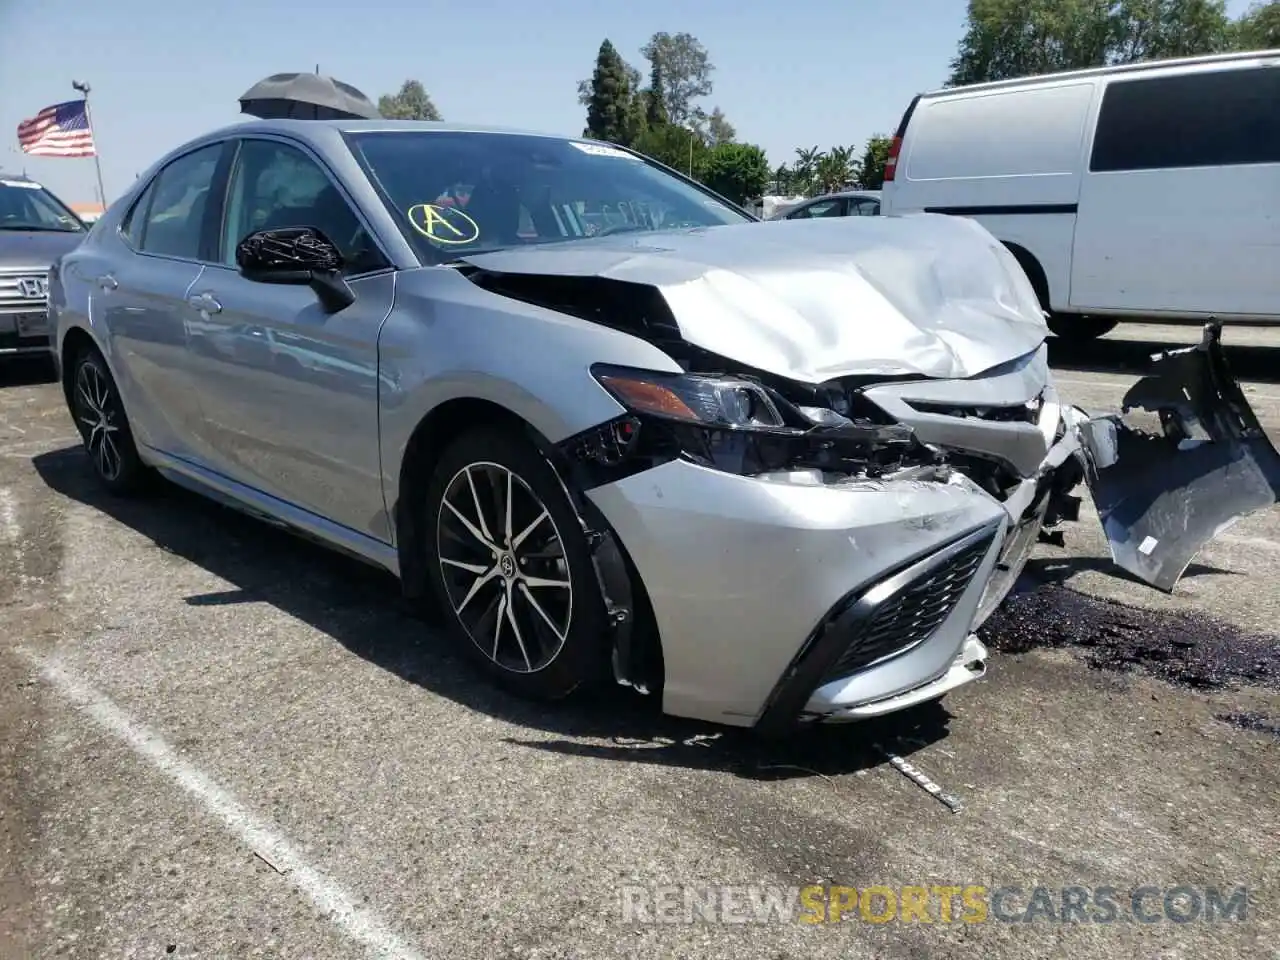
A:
(1177, 208)
(139, 298)
(290, 397)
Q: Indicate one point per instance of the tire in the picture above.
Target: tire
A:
(1075, 327)
(99, 416)
(551, 639)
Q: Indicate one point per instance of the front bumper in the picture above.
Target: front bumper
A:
(25, 333)
(761, 585)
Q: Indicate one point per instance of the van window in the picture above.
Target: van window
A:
(1025, 132)
(1189, 120)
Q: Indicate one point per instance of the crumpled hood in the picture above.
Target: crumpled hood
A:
(814, 300)
(36, 249)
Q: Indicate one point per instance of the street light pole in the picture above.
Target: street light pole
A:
(83, 90)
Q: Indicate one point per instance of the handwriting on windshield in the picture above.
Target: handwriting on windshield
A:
(440, 224)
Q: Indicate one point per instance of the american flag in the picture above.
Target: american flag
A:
(58, 131)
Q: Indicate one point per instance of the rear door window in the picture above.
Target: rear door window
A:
(1215, 119)
(824, 208)
(173, 219)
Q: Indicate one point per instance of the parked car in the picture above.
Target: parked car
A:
(848, 203)
(770, 472)
(35, 228)
(1096, 180)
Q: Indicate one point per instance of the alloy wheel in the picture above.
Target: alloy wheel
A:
(504, 567)
(98, 412)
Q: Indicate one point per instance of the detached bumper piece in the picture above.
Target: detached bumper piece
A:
(1162, 494)
(878, 623)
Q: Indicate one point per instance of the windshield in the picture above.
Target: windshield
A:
(28, 206)
(460, 193)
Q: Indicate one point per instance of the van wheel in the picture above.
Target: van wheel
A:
(1070, 326)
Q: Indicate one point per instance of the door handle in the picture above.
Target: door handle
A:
(205, 303)
(106, 282)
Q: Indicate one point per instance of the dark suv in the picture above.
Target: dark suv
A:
(35, 229)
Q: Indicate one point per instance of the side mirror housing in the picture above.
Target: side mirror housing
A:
(296, 255)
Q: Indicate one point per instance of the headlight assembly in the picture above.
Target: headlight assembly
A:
(693, 398)
(734, 424)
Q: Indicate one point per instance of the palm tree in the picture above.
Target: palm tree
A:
(806, 166)
(835, 169)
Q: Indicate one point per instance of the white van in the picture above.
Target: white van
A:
(1146, 191)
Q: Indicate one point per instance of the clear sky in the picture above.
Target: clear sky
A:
(788, 74)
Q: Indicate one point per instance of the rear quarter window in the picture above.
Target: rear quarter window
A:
(1204, 119)
(1009, 133)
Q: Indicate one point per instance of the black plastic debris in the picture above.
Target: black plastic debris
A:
(1163, 493)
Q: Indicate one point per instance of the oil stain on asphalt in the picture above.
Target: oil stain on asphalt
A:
(1190, 650)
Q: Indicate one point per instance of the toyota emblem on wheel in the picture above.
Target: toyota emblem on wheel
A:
(33, 288)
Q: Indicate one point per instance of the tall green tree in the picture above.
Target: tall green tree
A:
(1154, 29)
(1019, 38)
(655, 114)
(736, 171)
(874, 158)
(679, 147)
(686, 72)
(1258, 28)
(609, 107)
(410, 102)
(719, 129)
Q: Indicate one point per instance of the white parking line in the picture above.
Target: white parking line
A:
(358, 922)
(9, 529)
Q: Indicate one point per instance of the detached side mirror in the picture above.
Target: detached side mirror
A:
(296, 255)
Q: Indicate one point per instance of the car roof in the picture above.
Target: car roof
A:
(17, 178)
(1169, 64)
(874, 194)
(304, 128)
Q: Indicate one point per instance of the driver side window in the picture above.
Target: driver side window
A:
(273, 186)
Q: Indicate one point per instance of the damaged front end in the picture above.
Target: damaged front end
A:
(1165, 490)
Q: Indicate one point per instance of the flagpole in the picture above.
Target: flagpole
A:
(83, 89)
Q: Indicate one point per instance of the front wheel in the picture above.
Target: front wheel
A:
(1074, 327)
(510, 566)
(104, 428)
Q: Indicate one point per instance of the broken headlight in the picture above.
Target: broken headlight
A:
(725, 402)
(734, 424)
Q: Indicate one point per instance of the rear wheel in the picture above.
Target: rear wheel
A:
(104, 428)
(1075, 327)
(511, 568)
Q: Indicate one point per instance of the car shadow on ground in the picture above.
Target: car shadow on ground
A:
(361, 607)
(26, 371)
(1107, 355)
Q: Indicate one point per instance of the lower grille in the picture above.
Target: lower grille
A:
(911, 614)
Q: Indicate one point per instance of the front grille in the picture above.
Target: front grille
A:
(12, 298)
(911, 615)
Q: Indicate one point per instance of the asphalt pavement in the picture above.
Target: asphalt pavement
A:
(219, 741)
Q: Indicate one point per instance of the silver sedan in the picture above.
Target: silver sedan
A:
(611, 427)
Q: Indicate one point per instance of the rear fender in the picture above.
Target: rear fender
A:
(1163, 493)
